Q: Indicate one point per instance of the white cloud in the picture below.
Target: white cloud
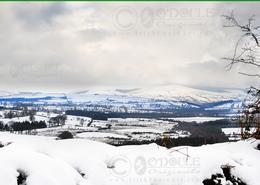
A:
(67, 46)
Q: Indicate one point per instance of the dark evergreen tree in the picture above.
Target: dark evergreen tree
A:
(65, 135)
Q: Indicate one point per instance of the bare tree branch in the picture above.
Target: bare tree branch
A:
(244, 54)
(252, 75)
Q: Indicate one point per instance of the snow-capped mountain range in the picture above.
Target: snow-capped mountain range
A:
(159, 97)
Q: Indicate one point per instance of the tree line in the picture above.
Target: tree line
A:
(23, 126)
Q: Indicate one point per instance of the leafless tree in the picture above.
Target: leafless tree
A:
(247, 46)
(246, 52)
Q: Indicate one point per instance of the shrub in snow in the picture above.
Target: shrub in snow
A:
(4, 144)
(214, 180)
(225, 179)
(21, 178)
(81, 173)
(110, 165)
(65, 135)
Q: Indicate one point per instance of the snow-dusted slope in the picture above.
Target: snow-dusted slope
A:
(33, 97)
(83, 162)
(158, 97)
(169, 92)
(182, 93)
(161, 97)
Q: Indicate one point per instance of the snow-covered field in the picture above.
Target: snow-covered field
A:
(100, 135)
(235, 133)
(197, 119)
(39, 116)
(45, 160)
(130, 128)
(231, 130)
(100, 130)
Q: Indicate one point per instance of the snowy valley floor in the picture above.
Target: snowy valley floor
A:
(46, 161)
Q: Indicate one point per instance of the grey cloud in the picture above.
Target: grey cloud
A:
(215, 74)
(93, 35)
(74, 46)
(34, 14)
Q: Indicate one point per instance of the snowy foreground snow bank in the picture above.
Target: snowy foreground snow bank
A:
(46, 161)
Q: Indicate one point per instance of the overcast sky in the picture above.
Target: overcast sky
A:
(75, 46)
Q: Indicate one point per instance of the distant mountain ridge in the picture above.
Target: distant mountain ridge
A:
(159, 97)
